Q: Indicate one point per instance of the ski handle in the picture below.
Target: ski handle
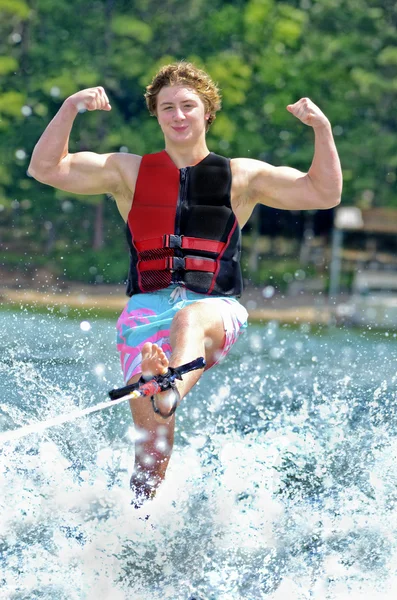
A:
(194, 365)
(174, 373)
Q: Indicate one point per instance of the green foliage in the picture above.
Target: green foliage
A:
(16, 8)
(264, 55)
(133, 28)
(109, 265)
(388, 56)
(233, 75)
(11, 104)
(7, 65)
(277, 272)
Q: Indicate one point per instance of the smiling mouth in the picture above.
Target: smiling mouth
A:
(179, 128)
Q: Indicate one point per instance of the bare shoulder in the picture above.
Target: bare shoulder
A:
(127, 165)
(247, 169)
(244, 196)
(279, 187)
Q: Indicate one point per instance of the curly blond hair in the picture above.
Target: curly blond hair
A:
(186, 74)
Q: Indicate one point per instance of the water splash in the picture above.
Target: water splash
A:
(282, 482)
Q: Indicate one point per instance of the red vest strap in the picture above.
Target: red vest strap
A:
(152, 244)
(180, 241)
(191, 243)
(172, 263)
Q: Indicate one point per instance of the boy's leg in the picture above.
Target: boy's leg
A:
(196, 330)
(153, 448)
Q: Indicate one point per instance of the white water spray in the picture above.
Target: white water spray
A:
(15, 434)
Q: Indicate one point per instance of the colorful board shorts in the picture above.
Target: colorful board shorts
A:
(147, 318)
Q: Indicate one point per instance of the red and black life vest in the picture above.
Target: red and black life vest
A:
(181, 228)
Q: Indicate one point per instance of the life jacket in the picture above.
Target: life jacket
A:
(181, 228)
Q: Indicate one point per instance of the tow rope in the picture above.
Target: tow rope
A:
(159, 383)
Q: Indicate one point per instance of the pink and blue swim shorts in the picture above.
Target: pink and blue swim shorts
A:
(147, 318)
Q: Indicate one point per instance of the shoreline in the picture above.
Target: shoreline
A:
(112, 299)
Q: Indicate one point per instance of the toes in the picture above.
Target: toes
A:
(163, 360)
(154, 360)
(153, 351)
(146, 349)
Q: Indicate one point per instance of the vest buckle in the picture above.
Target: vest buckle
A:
(175, 263)
(173, 241)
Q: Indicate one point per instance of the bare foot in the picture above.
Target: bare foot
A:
(155, 362)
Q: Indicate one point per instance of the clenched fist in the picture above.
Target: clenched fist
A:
(306, 111)
(90, 99)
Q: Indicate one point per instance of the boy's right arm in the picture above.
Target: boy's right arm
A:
(82, 172)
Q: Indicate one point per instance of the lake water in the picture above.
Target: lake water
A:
(282, 485)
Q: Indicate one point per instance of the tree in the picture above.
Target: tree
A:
(264, 54)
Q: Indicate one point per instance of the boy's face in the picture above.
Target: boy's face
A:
(181, 114)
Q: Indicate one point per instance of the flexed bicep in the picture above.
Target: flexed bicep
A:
(80, 173)
(85, 173)
(278, 187)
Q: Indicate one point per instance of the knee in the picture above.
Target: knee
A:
(187, 318)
